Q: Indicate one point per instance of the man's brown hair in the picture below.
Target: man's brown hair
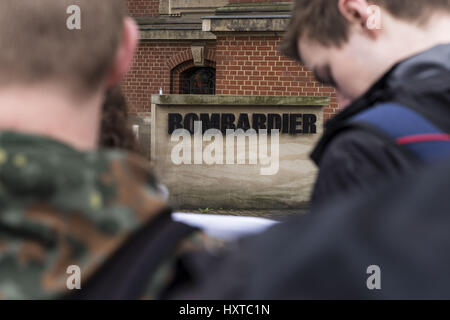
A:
(36, 45)
(321, 20)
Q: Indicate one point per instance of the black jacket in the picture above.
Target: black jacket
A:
(354, 157)
(402, 227)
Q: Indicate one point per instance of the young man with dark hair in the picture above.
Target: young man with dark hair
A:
(389, 61)
(390, 65)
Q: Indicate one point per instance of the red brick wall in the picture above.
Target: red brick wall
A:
(149, 73)
(141, 8)
(245, 65)
(151, 70)
(252, 66)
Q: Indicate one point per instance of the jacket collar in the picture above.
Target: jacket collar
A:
(416, 69)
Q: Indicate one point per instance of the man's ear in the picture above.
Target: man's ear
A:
(125, 52)
(362, 15)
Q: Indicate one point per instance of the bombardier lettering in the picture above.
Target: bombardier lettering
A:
(286, 123)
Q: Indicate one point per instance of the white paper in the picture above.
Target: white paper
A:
(225, 227)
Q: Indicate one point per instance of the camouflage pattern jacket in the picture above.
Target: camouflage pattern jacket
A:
(60, 207)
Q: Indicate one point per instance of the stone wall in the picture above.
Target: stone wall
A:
(220, 184)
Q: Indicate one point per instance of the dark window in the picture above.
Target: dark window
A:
(198, 81)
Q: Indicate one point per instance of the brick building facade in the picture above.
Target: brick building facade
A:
(226, 47)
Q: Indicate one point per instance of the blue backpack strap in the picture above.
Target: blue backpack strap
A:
(409, 129)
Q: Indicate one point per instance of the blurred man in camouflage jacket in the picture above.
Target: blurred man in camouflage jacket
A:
(63, 205)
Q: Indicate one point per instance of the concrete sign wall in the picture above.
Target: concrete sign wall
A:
(236, 152)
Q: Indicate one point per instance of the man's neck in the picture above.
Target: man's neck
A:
(49, 110)
(409, 40)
